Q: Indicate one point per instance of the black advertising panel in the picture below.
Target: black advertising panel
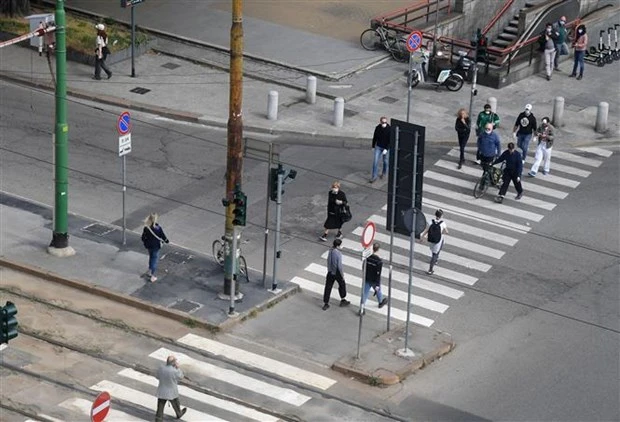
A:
(404, 172)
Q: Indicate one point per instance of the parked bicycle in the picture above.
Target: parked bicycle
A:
(491, 177)
(218, 248)
(374, 38)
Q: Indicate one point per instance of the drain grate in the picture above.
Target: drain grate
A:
(388, 100)
(177, 257)
(350, 113)
(140, 90)
(186, 306)
(171, 66)
(98, 229)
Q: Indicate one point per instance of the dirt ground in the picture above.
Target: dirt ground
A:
(344, 19)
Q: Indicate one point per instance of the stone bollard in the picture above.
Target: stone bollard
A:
(558, 112)
(311, 90)
(338, 111)
(493, 102)
(272, 105)
(601, 117)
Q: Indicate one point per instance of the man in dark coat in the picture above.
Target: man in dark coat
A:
(512, 172)
(336, 199)
(374, 265)
(380, 146)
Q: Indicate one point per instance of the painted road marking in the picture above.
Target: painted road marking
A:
(82, 406)
(597, 151)
(575, 158)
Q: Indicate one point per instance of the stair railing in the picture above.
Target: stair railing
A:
(499, 14)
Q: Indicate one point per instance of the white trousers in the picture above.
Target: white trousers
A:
(542, 153)
(549, 58)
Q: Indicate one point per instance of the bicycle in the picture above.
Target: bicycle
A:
(218, 248)
(371, 39)
(491, 176)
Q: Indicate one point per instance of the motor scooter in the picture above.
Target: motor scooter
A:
(465, 66)
(446, 77)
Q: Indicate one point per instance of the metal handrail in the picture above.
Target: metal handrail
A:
(497, 16)
(385, 19)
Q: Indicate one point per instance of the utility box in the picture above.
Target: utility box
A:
(35, 21)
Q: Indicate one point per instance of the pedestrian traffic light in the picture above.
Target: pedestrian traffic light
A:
(240, 201)
(8, 322)
(273, 182)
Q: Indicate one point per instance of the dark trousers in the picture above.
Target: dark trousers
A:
(329, 284)
(578, 63)
(100, 64)
(510, 176)
(463, 138)
(161, 403)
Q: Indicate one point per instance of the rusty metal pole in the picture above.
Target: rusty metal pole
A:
(234, 161)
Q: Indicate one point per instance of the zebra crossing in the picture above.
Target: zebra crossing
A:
(480, 233)
(243, 398)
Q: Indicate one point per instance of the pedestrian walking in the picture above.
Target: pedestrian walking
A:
(545, 145)
(561, 49)
(512, 172)
(335, 273)
(169, 376)
(463, 129)
(525, 127)
(547, 41)
(153, 237)
(380, 147)
(484, 117)
(336, 200)
(101, 52)
(581, 45)
(374, 265)
(434, 234)
(489, 147)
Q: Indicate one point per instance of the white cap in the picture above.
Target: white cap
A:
(528, 107)
(100, 27)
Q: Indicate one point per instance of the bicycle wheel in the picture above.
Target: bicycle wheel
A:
(481, 186)
(243, 269)
(217, 248)
(398, 49)
(454, 82)
(370, 40)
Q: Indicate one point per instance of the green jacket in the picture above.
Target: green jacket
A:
(484, 118)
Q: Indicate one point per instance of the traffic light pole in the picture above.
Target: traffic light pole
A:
(474, 91)
(267, 215)
(276, 250)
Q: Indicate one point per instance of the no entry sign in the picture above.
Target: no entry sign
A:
(101, 407)
(368, 234)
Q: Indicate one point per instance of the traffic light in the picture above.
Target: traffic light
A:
(273, 183)
(241, 202)
(8, 322)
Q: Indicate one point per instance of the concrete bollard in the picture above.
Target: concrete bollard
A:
(311, 90)
(338, 111)
(493, 102)
(601, 117)
(558, 112)
(272, 105)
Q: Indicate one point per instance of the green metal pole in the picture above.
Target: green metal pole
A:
(60, 237)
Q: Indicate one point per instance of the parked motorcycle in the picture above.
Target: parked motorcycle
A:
(419, 73)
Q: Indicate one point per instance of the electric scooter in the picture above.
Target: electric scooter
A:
(616, 52)
(447, 77)
(609, 53)
(594, 55)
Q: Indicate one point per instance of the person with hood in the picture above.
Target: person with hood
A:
(547, 41)
(484, 117)
(525, 127)
(545, 145)
(561, 49)
(512, 172)
(101, 52)
(581, 45)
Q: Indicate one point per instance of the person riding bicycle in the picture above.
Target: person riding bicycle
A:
(489, 147)
(512, 172)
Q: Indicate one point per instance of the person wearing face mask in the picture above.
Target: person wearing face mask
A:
(525, 127)
(336, 198)
(512, 172)
(581, 45)
(380, 146)
(545, 145)
(484, 117)
(561, 49)
(547, 41)
(463, 128)
(489, 146)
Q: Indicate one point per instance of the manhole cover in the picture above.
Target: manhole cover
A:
(388, 100)
(170, 65)
(350, 113)
(140, 90)
(177, 257)
(186, 306)
(98, 229)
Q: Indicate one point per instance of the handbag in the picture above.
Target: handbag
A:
(345, 213)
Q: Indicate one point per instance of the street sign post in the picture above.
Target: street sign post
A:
(123, 126)
(130, 4)
(100, 408)
(368, 236)
(414, 42)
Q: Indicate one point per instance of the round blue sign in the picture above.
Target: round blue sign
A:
(124, 123)
(414, 41)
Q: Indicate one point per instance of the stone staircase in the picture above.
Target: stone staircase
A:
(510, 34)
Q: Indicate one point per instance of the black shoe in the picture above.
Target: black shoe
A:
(97, 78)
(362, 312)
(499, 199)
(460, 165)
(339, 235)
(109, 75)
(556, 69)
(579, 77)
(519, 196)
(185, 408)
(325, 307)
(383, 303)
(572, 75)
(344, 302)
(548, 77)
(323, 238)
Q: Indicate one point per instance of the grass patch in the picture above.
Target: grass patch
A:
(81, 33)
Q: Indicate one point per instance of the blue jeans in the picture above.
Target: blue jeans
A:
(523, 142)
(367, 287)
(579, 56)
(153, 259)
(375, 162)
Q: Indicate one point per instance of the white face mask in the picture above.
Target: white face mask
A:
(487, 111)
(335, 190)
(527, 112)
(488, 130)
(548, 30)
(383, 124)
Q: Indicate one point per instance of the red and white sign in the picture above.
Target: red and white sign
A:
(368, 234)
(101, 407)
(414, 41)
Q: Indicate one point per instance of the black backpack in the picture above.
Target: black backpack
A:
(434, 232)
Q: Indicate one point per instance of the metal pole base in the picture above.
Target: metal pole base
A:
(227, 284)
(60, 246)
(224, 296)
(405, 353)
(233, 314)
(60, 240)
(275, 291)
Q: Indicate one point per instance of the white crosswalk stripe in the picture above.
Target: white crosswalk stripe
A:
(82, 407)
(597, 151)
(575, 158)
